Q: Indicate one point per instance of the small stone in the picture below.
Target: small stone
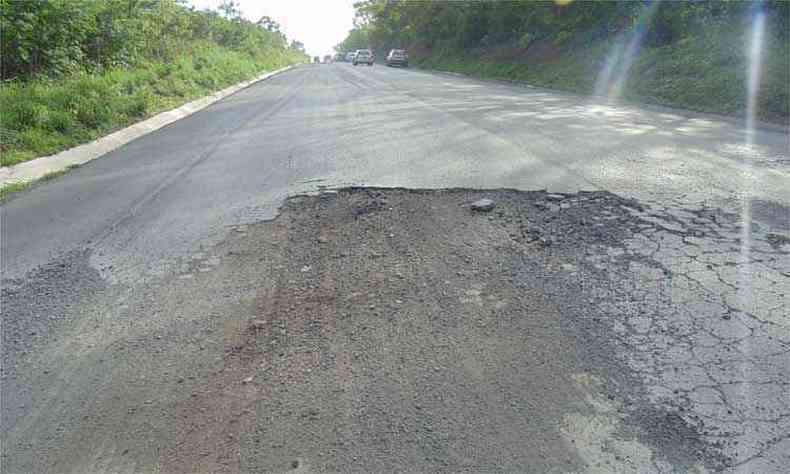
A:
(306, 268)
(483, 205)
(247, 380)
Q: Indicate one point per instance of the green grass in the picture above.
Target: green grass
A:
(11, 188)
(706, 73)
(41, 117)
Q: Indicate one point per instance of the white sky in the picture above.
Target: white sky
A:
(319, 24)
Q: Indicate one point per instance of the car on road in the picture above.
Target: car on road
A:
(350, 57)
(398, 57)
(363, 56)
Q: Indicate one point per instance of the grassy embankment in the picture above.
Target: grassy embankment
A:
(44, 116)
(706, 73)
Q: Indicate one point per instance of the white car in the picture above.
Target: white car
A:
(398, 57)
(363, 56)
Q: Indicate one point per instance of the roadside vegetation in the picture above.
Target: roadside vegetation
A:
(694, 55)
(74, 70)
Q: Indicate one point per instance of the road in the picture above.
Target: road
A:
(84, 257)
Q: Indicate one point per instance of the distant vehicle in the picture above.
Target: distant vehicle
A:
(316, 59)
(398, 57)
(328, 58)
(338, 57)
(363, 56)
(350, 56)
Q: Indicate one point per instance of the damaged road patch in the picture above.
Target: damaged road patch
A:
(377, 330)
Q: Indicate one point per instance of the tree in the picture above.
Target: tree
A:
(57, 37)
(230, 10)
(297, 46)
(269, 24)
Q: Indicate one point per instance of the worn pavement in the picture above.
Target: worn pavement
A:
(694, 302)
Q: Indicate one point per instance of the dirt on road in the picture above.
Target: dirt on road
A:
(362, 330)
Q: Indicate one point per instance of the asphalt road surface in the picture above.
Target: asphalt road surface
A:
(136, 288)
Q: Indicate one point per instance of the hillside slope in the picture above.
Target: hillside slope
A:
(707, 73)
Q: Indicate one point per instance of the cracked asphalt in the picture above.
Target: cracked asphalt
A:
(656, 265)
(712, 336)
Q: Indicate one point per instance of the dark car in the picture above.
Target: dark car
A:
(363, 56)
(398, 57)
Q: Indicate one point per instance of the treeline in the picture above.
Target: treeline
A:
(692, 54)
(439, 24)
(74, 70)
(57, 37)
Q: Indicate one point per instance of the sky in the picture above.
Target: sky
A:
(319, 24)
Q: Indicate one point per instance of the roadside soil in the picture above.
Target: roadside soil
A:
(362, 330)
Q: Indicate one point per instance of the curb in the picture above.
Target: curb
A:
(45, 165)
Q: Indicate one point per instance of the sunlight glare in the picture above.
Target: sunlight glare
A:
(755, 65)
(745, 275)
(614, 75)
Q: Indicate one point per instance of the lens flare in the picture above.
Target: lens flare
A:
(753, 89)
(612, 79)
(603, 83)
(755, 70)
(745, 293)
